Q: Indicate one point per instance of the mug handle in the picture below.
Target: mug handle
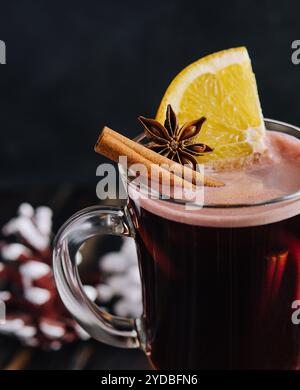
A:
(87, 223)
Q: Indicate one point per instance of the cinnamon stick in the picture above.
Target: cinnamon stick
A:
(275, 267)
(294, 247)
(269, 272)
(140, 152)
(112, 148)
(278, 276)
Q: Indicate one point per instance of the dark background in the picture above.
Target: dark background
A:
(73, 66)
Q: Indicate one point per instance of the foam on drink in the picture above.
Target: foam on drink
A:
(275, 175)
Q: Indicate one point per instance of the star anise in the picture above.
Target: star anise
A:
(177, 143)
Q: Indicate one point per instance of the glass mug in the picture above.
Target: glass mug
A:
(208, 300)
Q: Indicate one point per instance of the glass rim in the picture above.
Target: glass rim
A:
(271, 125)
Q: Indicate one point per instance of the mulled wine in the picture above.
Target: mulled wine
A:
(218, 283)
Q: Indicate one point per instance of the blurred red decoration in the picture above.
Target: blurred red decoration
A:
(34, 311)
